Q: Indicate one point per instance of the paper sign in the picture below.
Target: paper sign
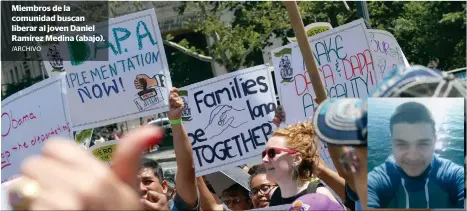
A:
(346, 67)
(133, 82)
(229, 118)
(387, 54)
(104, 151)
(30, 118)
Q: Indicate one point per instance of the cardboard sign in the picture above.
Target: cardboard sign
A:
(229, 118)
(30, 118)
(133, 82)
(387, 54)
(346, 67)
(104, 151)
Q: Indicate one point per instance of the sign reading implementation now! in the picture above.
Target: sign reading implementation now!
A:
(133, 82)
(30, 118)
(229, 118)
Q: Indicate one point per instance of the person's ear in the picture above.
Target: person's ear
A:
(297, 159)
(165, 186)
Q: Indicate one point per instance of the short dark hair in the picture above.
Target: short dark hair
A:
(258, 169)
(412, 112)
(154, 165)
(237, 188)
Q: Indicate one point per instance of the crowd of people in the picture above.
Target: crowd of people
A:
(292, 172)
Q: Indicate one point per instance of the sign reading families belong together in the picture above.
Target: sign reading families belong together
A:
(229, 118)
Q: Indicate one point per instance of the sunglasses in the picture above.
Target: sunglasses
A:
(263, 189)
(273, 151)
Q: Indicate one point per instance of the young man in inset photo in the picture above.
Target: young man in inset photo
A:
(413, 177)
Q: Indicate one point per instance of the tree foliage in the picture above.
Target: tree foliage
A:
(427, 31)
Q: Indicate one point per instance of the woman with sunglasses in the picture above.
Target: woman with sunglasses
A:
(289, 158)
(261, 188)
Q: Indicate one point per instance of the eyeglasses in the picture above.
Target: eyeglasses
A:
(273, 151)
(263, 189)
(232, 201)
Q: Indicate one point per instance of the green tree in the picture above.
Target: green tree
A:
(25, 82)
(252, 25)
(426, 31)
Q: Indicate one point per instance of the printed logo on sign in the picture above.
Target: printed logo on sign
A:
(151, 91)
(55, 60)
(285, 64)
(186, 114)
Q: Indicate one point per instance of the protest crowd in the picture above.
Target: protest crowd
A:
(292, 174)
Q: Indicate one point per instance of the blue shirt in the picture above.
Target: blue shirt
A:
(440, 186)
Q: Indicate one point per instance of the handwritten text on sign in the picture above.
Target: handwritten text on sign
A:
(387, 53)
(29, 118)
(229, 118)
(345, 64)
(133, 83)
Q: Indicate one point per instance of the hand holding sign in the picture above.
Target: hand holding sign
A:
(67, 183)
(221, 118)
(176, 105)
(143, 81)
(279, 116)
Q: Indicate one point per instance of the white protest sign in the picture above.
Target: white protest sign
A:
(132, 82)
(387, 54)
(229, 118)
(29, 118)
(345, 65)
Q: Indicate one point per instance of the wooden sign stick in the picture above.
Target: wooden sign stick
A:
(302, 39)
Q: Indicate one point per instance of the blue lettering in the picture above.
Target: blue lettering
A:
(103, 70)
(141, 36)
(119, 39)
(84, 90)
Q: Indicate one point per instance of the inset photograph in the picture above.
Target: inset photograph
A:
(416, 153)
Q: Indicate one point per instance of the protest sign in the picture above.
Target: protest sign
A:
(313, 29)
(133, 82)
(387, 54)
(345, 63)
(229, 118)
(104, 151)
(29, 118)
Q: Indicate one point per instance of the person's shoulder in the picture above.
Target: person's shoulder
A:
(445, 164)
(384, 174)
(447, 169)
